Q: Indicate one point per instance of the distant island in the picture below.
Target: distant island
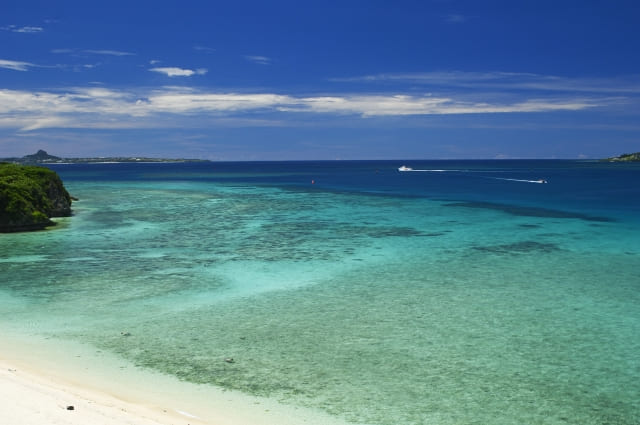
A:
(42, 157)
(625, 157)
(29, 197)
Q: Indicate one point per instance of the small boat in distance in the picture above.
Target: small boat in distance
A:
(405, 168)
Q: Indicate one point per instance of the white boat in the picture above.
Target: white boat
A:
(405, 168)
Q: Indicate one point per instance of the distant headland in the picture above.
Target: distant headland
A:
(625, 157)
(42, 158)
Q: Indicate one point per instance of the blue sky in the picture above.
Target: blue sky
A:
(279, 80)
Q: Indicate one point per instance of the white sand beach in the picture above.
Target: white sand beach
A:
(45, 383)
(27, 398)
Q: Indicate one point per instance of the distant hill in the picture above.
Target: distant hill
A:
(625, 157)
(42, 157)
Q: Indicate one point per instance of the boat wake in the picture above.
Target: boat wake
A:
(409, 169)
(541, 181)
(403, 168)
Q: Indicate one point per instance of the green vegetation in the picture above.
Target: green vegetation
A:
(625, 157)
(29, 196)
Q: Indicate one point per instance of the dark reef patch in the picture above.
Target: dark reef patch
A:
(522, 247)
(528, 211)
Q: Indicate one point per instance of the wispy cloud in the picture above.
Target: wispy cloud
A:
(98, 107)
(262, 60)
(62, 51)
(178, 72)
(92, 52)
(455, 18)
(204, 49)
(25, 29)
(15, 65)
(109, 52)
(397, 105)
(506, 81)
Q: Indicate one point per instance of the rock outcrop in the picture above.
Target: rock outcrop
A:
(29, 197)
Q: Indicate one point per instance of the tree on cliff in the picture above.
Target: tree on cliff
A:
(29, 197)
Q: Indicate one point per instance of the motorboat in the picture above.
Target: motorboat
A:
(405, 168)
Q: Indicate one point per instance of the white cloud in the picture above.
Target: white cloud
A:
(178, 72)
(398, 105)
(99, 107)
(15, 65)
(177, 102)
(25, 29)
(262, 60)
(29, 29)
(377, 105)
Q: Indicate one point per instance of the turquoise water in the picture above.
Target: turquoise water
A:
(377, 296)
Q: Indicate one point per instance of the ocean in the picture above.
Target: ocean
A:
(461, 292)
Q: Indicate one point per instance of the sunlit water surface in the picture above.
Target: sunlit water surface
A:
(466, 296)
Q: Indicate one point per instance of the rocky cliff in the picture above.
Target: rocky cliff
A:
(29, 197)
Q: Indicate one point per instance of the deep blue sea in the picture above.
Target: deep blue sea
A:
(462, 292)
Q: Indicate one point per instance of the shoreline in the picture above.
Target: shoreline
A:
(28, 398)
(106, 390)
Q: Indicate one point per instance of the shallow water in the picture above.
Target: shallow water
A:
(381, 297)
